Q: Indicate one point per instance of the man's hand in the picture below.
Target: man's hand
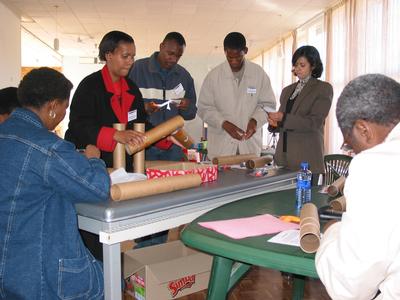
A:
(251, 129)
(184, 104)
(130, 137)
(151, 107)
(234, 131)
(91, 151)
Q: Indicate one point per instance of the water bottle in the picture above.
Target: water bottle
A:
(303, 187)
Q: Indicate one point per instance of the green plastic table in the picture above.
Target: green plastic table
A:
(233, 258)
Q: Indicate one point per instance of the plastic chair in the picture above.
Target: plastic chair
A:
(336, 165)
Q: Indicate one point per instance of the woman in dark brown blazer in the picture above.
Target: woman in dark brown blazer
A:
(301, 116)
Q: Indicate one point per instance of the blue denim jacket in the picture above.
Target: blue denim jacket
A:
(42, 255)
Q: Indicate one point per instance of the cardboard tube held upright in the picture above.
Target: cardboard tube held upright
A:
(337, 187)
(232, 159)
(157, 133)
(136, 189)
(138, 157)
(184, 138)
(258, 162)
(119, 157)
(338, 204)
(309, 228)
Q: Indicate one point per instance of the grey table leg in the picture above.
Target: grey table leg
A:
(112, 271)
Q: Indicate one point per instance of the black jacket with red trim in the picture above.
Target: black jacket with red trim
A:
(91, 110)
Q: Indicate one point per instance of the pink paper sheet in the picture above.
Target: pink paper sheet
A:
(246, 227)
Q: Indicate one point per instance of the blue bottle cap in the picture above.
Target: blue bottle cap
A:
(304, 165)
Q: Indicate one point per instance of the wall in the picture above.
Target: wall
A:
(75, 71)
(198, 67)
(35, 53)
(10, 48)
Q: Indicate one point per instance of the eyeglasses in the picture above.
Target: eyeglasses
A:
(346, 147)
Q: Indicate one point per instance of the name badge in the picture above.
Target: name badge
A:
(178, 89)
(251, 90)
(132, 115)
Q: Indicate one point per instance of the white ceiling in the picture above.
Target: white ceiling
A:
(80, 24)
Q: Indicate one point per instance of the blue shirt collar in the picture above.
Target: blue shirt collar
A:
(28, 115)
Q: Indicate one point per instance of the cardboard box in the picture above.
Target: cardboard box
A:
(166, 271)
(207, 172)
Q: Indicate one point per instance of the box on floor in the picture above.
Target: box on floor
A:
(166, 271)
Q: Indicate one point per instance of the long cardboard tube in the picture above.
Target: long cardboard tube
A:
(233, 159)
(338, 204)
(258, 162)
(136, 189)
(138, 157)
(119, 156)
(157, 133)
(184, 138)
(309, 228)
(337, 187)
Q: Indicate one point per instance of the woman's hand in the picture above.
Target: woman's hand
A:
(91, 151)
(276, 116)
(130, 137)
(272, 123)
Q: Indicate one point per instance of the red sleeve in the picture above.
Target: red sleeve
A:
(105, 141)
(163, 144)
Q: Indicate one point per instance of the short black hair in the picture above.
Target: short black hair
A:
(43, 85)
(175, 36)
(110, 42)
(8, 100)
(235, 41)
(312, 55)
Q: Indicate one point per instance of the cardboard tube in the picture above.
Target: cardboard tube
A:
(232, 159)
(136, 189)
(119, 158)
(309, 210)
(138, 157)
(309, 228)
(157, 133)
(258, 162)
(338, 204)
(184, 138)
(309, 220)
(310, 239)
(337, 187)
(157, 164)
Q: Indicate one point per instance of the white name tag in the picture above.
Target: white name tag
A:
(178, 89)
(251, 90)
(132, 115)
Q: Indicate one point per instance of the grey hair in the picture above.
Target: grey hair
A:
(372, 97)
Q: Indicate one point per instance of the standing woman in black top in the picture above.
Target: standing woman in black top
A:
(107, 97)
(301, 116)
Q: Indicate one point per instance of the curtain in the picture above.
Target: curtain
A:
(354, 37)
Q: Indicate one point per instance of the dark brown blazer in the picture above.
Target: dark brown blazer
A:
(304, 125)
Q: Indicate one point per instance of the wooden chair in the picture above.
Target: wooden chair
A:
(336, 165)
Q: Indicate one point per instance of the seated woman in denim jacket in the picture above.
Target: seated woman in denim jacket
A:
(42, 255)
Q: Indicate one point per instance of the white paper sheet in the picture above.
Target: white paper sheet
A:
(121, 176)
(287, 237)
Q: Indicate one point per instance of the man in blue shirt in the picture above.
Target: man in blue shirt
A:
(167, 89)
